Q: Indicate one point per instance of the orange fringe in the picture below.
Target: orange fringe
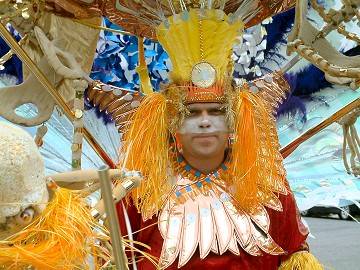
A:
(255, 164)
(146, 149)
(60, 238)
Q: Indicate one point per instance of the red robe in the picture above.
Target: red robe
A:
(286, 229)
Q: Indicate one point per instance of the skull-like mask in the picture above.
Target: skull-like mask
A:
(23, 191)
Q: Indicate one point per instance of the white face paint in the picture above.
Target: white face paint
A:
(209, 118)
(200, 124)
(204, 133)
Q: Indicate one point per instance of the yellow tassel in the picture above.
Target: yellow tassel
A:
(302, 260)
(60, 238)
(255, 164)
(146, 148)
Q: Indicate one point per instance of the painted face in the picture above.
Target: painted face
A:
(204, 132)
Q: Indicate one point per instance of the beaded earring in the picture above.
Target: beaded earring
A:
(178, 144)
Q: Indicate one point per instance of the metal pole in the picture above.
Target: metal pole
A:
(115, 233)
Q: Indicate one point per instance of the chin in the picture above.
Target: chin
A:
(207, 152)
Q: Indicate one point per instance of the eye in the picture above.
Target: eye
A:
(217, 111)
(26, 216)
(193, 113)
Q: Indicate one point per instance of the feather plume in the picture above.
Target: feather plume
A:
(301, 261)
(255, 166)
(146, 148)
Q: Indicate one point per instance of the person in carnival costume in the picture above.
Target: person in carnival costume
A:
(209, 152)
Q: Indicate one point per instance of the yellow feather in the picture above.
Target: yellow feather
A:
(189, 38)
(302, 260)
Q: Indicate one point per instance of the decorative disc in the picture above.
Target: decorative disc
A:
(203, 75)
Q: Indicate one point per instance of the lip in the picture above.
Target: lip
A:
(204, 136)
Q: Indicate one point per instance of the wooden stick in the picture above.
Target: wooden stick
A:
(89, 175)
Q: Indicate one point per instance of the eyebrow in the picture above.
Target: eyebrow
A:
(214, 107)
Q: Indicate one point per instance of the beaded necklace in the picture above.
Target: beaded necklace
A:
(199, 180)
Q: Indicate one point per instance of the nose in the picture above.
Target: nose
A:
(205, 121)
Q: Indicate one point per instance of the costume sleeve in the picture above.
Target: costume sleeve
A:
(290, 233)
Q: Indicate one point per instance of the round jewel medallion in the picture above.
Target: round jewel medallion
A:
(203, 75)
